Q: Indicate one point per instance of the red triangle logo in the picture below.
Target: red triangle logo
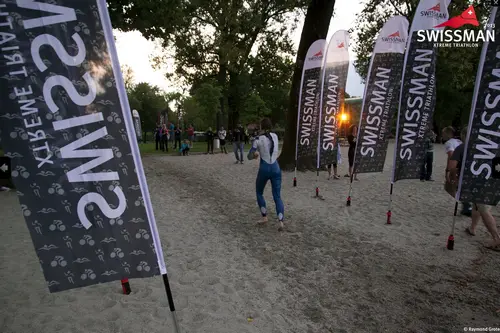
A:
(468, 16)
(396, 34)
(319, 54)
(436, 8)
(341, 45)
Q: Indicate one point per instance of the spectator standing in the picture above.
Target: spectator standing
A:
(164, 138)
(190, 133)
(238, 143)
(172, 131)
(178, 132)
(210, 140)
(222, 139)
(158, 136)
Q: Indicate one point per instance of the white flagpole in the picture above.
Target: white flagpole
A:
(122, 94)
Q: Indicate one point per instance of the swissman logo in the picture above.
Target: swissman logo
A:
(317, 56)
(394, 38)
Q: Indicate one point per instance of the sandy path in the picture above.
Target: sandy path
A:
(335, 269)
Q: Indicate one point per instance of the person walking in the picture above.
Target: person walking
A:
(210, 140)
(451, 143)
(266, 146)
(222, 138)
(177, 132)
(479, 211)
(238, 143)
(426, 171)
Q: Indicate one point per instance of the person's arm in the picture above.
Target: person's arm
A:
(253, 153)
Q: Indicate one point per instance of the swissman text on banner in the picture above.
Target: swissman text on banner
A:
(308, 115)
(381, 98)
(67, 126)
(480, 174)
(418, 92)
(333, 82)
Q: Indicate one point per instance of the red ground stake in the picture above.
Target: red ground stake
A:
(451, 242)
(317, 191)
(389, 214)
(348, 200)
(294, 182)
(126, 287)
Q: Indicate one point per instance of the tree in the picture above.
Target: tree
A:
(207, 96)
(150, 100)
(128, 77)
(210, 38)
(456, 67)
(255, 109)
(315, 27)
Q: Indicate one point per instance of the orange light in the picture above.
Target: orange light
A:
(343, 117)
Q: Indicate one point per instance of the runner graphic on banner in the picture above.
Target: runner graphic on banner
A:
(480, 174)
(308, 114)
(68, 129)
(333, 82)
(418, 92)
(381, 96)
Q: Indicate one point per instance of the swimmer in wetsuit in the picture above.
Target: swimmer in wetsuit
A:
(266, 145)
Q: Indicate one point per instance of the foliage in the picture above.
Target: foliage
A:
(148, 100)
(456, 67)
(215, 39)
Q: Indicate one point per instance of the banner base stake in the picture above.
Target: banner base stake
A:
(389, 215)
(126, 287)
(451, 242)
(294, 181)
(348, 201)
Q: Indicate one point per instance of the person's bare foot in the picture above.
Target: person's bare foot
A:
(281, 226)
(493, 245)
(262, 221)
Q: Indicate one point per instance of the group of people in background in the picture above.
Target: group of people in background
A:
(165, 134)
(239, 137)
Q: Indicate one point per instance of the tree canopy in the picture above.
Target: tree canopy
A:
(239, 43)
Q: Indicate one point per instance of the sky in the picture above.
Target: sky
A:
(135, 51)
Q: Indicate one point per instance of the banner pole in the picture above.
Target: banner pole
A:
(350, 191)
(317, 182)
(171, 302)
(389, 212)
(108, 35)
(451, 239)
(295, 175)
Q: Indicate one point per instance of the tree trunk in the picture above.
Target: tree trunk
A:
(221, 81)
(316, 26)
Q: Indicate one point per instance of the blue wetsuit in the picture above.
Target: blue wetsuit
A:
(267, 147)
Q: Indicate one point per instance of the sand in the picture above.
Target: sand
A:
(334, 269)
